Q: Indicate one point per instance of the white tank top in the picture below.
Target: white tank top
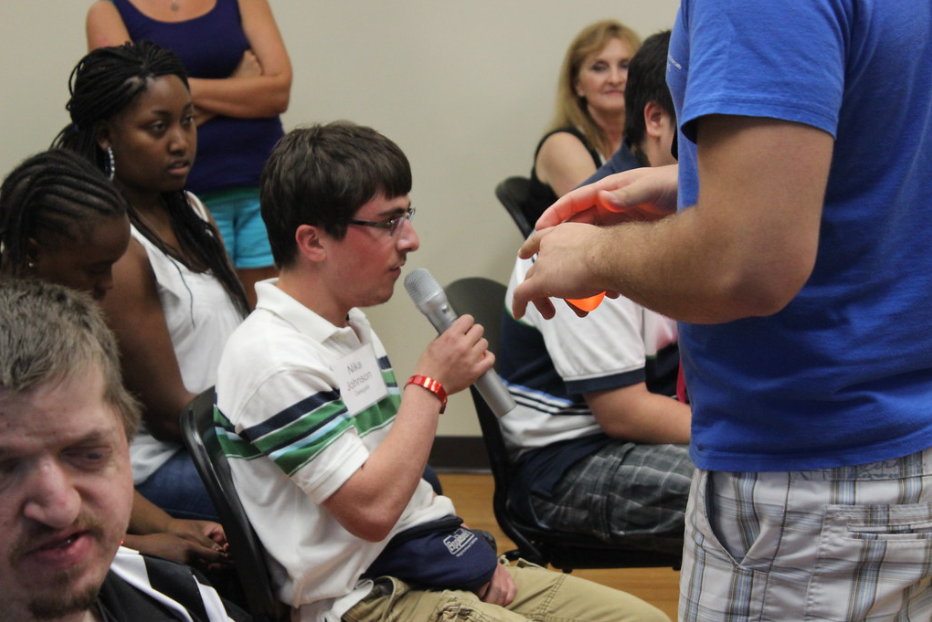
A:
(200, 316)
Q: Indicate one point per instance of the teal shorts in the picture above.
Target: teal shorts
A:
(237, 214)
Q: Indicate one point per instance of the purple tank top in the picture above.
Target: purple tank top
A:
(231, 152)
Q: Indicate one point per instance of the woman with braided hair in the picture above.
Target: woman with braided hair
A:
(240, 77)
(63, 221)
(175, 296)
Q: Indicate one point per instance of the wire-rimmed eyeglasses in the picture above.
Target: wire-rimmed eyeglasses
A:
(392, 224)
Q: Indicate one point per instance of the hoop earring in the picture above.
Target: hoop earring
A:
(111, 164)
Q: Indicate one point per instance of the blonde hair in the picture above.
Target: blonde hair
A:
(571, 109)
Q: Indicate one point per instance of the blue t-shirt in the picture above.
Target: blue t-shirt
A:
(843, 374)
(230, 152)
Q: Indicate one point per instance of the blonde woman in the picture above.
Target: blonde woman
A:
(588, 126)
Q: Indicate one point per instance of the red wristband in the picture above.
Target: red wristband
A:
(431, 385)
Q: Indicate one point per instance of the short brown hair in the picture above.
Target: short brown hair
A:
(49, 333)
(321, 175)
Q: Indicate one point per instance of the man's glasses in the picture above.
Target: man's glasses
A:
(392, 224)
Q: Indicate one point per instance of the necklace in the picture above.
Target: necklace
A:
(175, 6)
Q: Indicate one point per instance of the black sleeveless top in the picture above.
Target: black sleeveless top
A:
(540, 195)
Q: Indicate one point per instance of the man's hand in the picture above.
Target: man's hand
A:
(567, 256)
(566, 267)
(639, 194)
(457, 357)
(500, 590)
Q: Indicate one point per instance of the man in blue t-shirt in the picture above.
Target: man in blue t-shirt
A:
(600, 444)
(798, 267)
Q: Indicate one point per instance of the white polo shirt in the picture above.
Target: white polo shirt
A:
(293, 442)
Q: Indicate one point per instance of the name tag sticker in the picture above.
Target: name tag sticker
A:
(360, 380)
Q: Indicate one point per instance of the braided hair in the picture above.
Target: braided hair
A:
(104, 83)
(57, 192)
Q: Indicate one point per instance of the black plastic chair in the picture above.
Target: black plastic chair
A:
(513, 194)
(484, 299)
(200, 437)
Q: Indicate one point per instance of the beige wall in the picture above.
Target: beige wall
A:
(465, 88)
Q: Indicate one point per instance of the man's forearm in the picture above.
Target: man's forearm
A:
(671, 267)
(745, 249)
(635, 414)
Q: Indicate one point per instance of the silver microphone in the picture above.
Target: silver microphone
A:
(432, 301)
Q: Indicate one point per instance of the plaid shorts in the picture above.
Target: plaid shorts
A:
(624, 493)
(847, 543)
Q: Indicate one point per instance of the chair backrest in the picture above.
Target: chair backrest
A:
(484, 299)
(200, 437)
(513, 193)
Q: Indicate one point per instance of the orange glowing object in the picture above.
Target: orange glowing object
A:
(587, 304)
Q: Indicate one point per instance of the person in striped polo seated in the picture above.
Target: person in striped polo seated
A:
(327, 448)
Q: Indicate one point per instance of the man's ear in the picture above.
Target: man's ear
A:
(653, 119)
(310, 242)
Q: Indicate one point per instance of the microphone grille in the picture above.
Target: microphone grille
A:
(421, 285)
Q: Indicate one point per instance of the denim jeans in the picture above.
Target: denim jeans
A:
(177, 488)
